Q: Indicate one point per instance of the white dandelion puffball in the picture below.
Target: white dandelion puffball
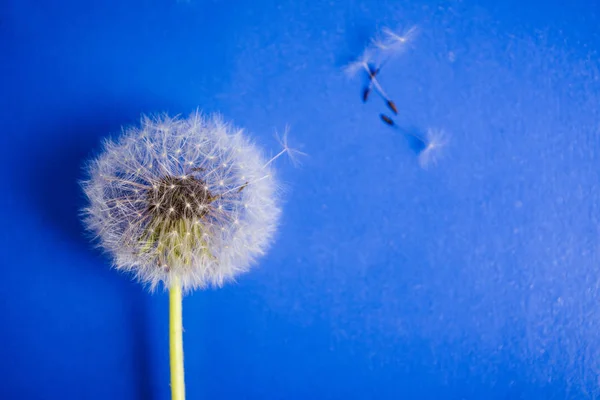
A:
(187, 199)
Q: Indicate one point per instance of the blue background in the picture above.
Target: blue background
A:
(475, 279)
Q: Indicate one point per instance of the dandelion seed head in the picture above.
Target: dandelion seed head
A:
(165, 201)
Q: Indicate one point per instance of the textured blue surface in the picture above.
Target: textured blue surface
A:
(475, 279)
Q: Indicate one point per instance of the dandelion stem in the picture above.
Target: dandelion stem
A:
(176, 342)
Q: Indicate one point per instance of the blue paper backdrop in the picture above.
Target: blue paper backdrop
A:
(477, 278)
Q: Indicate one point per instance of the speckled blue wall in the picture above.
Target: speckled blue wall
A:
(476, 278)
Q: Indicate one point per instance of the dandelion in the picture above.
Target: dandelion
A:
(186, 203)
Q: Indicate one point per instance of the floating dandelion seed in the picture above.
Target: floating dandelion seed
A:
(190, 200)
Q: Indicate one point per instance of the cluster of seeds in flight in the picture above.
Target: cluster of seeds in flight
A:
(378, 54)
(373, 59)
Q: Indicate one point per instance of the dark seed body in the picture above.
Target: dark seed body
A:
(366, 93)
(392, 106)
(387, 120)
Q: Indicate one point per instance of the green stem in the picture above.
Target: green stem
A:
(176, 342)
